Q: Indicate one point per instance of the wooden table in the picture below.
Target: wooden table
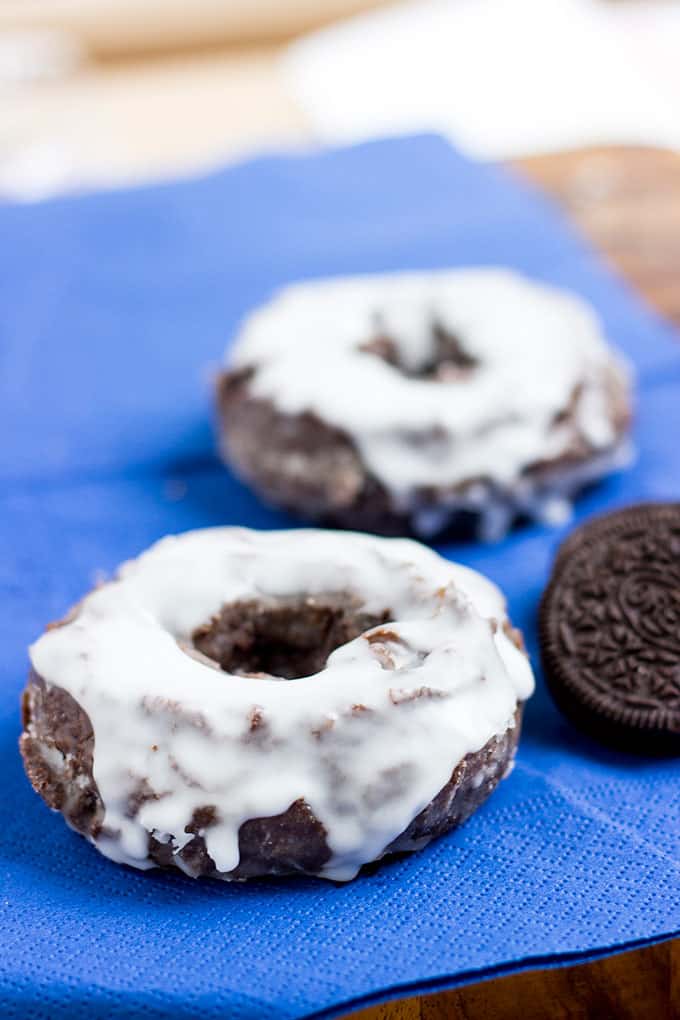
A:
(642, 985)
(169, 116)
(627, 202)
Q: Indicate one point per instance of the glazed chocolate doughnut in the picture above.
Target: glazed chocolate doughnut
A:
(419, 403)
(237, 704)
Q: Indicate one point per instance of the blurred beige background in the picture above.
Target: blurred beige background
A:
(97, 93)
(105, 92)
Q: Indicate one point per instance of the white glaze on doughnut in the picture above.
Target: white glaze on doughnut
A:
(161, 716)
(535, 346)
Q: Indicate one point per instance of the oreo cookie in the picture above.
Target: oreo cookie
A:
(609, 624)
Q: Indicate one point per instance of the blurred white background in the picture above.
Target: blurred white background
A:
(502, 78)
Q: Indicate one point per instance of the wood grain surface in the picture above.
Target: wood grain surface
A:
(644, 985)
(627, 202)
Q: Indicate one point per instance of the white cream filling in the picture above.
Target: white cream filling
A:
(534, 345)
(161, 716)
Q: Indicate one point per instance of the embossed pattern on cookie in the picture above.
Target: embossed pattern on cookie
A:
(610, 628)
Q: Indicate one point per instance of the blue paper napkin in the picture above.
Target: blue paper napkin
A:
(114, 308)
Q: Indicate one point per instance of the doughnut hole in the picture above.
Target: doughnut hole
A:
(288, 637)
(446, 358)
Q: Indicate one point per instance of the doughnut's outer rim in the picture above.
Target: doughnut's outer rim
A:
(292, 843)
(370, 507)
(620, 726)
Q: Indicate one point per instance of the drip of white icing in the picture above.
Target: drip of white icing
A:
(549, 503)
(161, 716)
(538, 351)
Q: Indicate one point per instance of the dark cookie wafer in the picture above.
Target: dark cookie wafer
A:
(610, 628)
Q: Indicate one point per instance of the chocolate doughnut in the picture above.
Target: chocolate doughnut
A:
(418, 403)
(237, 704)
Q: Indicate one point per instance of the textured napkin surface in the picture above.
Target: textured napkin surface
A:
(114, 310)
